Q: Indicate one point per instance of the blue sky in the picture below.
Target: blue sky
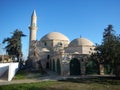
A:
(73, 18)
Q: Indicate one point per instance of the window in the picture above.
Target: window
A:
(48, 56)
(45, 44)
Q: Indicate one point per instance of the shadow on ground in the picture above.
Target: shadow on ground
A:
(99, 80)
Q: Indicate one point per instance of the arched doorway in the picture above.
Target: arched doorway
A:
(50, 67)
(47, 65)
(53, 65)
(48, 62)
(58, 67)
(74, 67)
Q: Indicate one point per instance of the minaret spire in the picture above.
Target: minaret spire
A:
(33, 19)
(34, 13)
(33, 26)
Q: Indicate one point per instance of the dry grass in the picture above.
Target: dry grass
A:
(69, 84)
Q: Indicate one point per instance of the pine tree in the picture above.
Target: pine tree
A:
(108, 53)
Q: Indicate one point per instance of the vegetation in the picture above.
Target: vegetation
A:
(92, 67)
(20, 75)
(26, 74)
(14, 46)
(69, 84)
(108, 53)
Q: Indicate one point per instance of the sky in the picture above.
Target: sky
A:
(73, 18)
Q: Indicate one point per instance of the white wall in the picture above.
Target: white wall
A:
(3, 68)
(13, 68)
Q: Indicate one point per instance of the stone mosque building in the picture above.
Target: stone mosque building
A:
(56, 52)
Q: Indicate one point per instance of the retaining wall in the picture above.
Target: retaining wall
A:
(3, 68)
(13, 68)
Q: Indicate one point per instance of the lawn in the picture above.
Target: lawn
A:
(69, 84)
(24, 74)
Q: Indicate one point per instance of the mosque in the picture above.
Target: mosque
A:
(56, 52)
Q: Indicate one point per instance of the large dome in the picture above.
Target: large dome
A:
(54, 36)
(80, 42)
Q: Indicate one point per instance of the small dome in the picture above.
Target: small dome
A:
(80, 42)
(45, 50)
(54, 36)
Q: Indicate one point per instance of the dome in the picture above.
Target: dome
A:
(54, 36)
(80, 42)
(45, 50)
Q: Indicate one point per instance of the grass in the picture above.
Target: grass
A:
(24, 74)
(20, 75)
(69, 84)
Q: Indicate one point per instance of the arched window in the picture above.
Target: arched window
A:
(58, 67)
(45, 44)
(48, 57)
(53, 65)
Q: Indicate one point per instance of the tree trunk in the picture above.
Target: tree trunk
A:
(101, 69)
(117, 71)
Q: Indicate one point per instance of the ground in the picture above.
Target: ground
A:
(52, 81)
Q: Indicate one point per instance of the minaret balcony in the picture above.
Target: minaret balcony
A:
(33, 28)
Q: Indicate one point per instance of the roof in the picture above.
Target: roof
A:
(54, 36)
(80, 42)
(34, 13)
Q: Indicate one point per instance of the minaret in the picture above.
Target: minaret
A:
(33, 27)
